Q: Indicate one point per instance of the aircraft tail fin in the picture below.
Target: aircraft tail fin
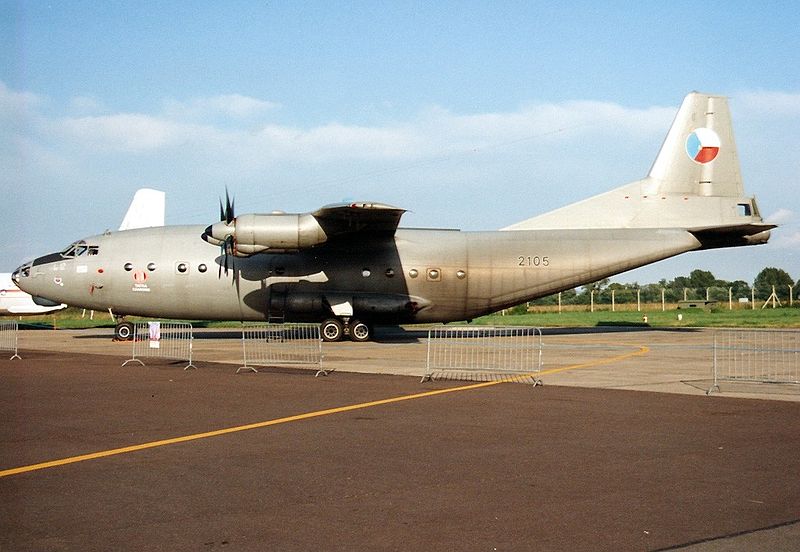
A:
(698, 156)
(146, 210)
(694, 183)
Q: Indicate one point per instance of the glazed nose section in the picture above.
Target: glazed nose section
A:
(27, 276)
(21, 273)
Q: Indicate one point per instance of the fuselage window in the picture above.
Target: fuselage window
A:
(72, 250)
(128, 267)
(151, 267)
(202, 268)
(182, 268)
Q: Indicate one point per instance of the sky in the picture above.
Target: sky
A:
(471, 115)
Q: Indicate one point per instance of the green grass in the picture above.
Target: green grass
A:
(691, 318)
(766, 318)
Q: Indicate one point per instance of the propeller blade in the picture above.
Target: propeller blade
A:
(226, 214)
(229, 212)
(229, 253)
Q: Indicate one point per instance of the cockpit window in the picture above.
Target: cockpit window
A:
(79, 249)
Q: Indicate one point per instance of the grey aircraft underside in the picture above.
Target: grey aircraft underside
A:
(349, 266)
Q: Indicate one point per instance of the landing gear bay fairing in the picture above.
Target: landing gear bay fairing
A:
(349, 266)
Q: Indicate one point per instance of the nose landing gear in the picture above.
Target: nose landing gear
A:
(123, 331)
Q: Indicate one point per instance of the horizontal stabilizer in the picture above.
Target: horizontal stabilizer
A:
(732, 236)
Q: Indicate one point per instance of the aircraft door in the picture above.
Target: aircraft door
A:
(276, 302)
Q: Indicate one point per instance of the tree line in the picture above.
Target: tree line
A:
(698, 285)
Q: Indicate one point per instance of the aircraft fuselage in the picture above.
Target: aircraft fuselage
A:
(413, 276)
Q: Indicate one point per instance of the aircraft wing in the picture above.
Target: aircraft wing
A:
(358, 218)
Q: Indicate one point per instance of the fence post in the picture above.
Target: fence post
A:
(756, 356)
(9, 338)
(511, 353)
(170, 340)
(282, 344)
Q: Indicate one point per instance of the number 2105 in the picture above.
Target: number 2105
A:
(533, 261)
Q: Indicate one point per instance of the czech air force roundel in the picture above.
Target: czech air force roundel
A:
(702, 145)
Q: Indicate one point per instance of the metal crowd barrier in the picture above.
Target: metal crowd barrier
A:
(168, 340)
(9, 337)
(756, 356)
(282, 344)
(485, 353)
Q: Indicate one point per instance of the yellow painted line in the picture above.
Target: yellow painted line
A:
(295, 418)
(642, 350)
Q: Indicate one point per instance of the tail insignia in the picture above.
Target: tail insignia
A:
(702, 145)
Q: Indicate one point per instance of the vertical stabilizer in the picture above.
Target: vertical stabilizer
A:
(698, 156)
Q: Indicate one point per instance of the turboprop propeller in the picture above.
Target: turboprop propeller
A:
(222, 233)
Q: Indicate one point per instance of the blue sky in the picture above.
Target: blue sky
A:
(470, 114)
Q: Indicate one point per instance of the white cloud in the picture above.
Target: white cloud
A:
(780, 104)
(781, 216)
(128, 132)
(85, 105)
(336, 141)
(434, 132)
(228, 105)
(785, 240)
(16, 102)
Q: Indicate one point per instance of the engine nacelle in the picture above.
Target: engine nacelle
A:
(273, 232)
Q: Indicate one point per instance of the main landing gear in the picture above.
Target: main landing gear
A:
(334, 329)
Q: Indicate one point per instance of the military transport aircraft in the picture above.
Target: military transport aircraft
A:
(349, 266)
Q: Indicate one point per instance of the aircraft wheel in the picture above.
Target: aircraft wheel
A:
(360, 331)
(123, 332)
(332, 330)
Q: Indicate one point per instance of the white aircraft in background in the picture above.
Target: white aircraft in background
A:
(14, 301)
(145, 211)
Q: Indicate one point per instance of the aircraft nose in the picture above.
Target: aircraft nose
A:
(21, 272)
